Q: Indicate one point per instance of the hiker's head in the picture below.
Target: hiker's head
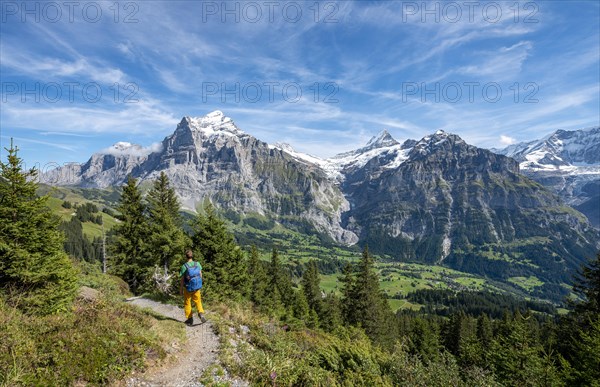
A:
(189, 254)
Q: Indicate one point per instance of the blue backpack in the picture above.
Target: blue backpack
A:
(192, 278)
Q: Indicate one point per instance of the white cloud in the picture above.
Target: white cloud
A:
(125, 148)
(507, 140)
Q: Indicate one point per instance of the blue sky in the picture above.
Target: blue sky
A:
(491, 72)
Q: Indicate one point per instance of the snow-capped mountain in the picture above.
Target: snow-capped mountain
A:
(432, 200)
(562, 150)
(568, 162)
(382, 147)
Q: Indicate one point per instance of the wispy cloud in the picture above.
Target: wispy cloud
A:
(368, 51)
(504, 63)
(45, 143)
(55, 69)
(139, 118)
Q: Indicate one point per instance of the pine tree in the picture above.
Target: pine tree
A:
(35, 272)
(130, 253)
(347, 281)
(300, 306)
(484, 330)
(369, 308)
(424, 341)
(280, 291)
(257, 278)
(331, 317)
(275, 270)
(310, 287)
(579, 331)
(284, 282)
(587, 286)
(518, 356)
(167, 240)
(456, 333)
(77, 245)
(223, 261)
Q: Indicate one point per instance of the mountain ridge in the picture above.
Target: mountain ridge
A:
(434, 200)
(566, 162)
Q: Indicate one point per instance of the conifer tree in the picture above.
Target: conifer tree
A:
(280, 294)
(517, 355)
(479, 351)
(484, 330)
(347, 281)
(35, 272)
(257, 278)
(579, 331)
(587, 286)
(300, 306)
(424, 340)
(456, 332)
(167, 240)
(369, 308)
(222, 259)
(275, 271)
(282, 280)
(130, 254)
(312, 320)
(310, 287)
(331, 316)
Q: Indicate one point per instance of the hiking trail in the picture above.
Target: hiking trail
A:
(185, 367)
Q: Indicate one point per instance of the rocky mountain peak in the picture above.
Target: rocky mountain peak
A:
(567, 162)
(436, 199)
(562, 148)
(437, 141)
(284, 146)
(214, 123)
(383, 139)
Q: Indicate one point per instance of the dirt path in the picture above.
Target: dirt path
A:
(200, 353)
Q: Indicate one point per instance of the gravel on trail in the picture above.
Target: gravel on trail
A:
(201, 351)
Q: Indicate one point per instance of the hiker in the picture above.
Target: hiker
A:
(190, 285)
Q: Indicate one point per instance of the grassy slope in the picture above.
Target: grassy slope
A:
(58, 195)
(105, 339)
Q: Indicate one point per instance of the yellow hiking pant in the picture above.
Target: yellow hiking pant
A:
(188, 297)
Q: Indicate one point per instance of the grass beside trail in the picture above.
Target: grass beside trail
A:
(105, 339)
(266, 352)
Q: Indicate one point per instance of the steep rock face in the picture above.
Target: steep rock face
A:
(209, 158)
(104, 169)
(453, 202)
(115, 164)
(566, 162)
